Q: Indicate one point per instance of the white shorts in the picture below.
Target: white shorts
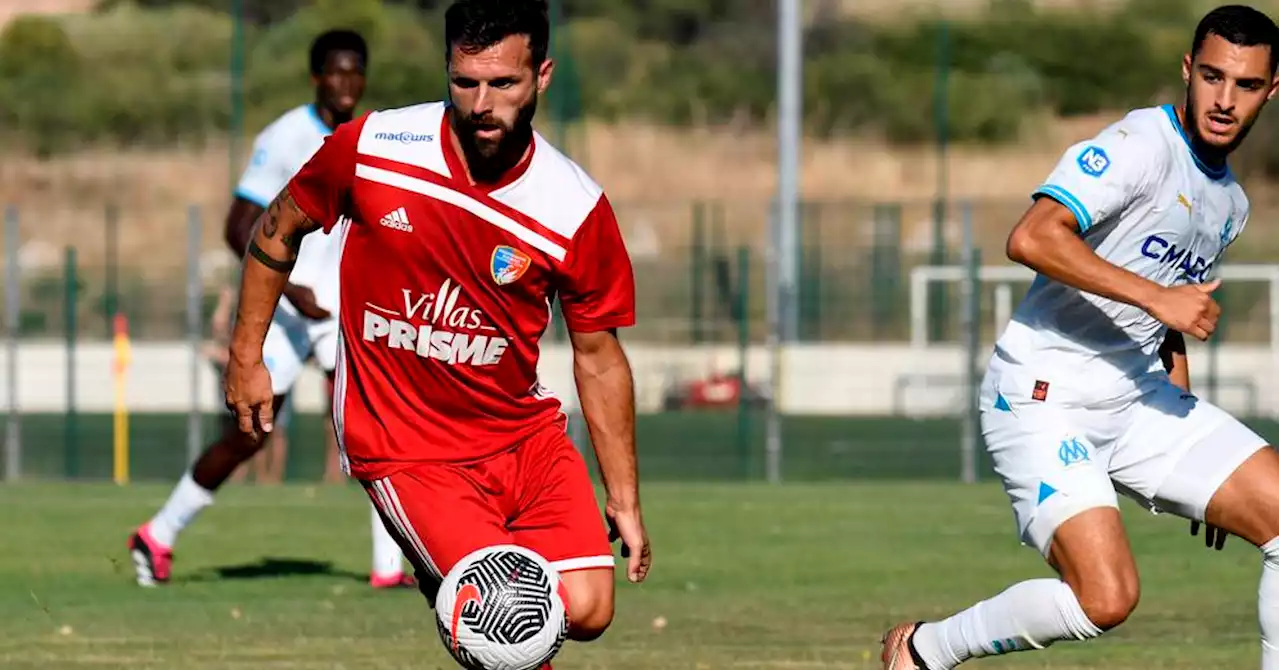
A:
(1057, 457)
(291, 341)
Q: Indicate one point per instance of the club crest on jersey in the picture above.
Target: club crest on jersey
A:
(1224, 237)
(507, 264)
(1072, 451)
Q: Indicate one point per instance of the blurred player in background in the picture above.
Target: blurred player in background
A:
(304, 324)
(460, 226)
(1126, 235)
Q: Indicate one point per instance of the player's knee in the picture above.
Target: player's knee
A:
(589, 600)
(590, 618)
(1109, 599)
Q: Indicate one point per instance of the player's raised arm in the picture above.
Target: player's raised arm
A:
(1095, 182)
(598, 297)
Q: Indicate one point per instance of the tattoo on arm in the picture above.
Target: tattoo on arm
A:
(282, 227)
(272, 223)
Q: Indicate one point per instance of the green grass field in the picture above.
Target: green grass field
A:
(697, 446)
(747, 575)
(674, 446)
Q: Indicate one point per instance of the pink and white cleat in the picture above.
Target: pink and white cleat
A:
(897, 652)
(152, 561)
(398, 580)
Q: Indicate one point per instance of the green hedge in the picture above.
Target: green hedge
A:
(160, 73)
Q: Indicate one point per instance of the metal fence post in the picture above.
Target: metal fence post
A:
(790, 138)
(969, 300)
(698, 258)
(70, 435)
(111, 300)
(12, 316)
(744, 351)
(773, 343)
(941, 119)
(195, 295)
(886, 268)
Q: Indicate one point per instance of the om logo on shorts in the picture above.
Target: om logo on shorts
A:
(1072, 451)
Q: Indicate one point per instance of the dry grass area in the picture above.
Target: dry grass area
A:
(892, 9)
(878, 9)
(63, 200)
(652, 173)
(12, 8)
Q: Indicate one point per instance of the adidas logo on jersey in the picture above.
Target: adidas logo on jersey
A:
(397, 220)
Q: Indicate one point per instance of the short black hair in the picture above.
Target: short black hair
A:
(337, 40)
(475, 25)
(1240, 25)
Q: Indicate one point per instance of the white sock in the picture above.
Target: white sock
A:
(386, 553)
(186, 501)
(1031, 615)
(1269, 604)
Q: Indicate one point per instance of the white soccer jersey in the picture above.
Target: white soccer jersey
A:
(279, 151)
(1146, 203)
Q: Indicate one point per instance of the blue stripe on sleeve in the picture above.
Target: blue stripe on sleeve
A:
(1072, 203)
(257, 200)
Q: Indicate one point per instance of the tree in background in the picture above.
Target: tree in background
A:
(156, 71)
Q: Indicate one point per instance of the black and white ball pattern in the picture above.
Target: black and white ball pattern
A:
(504, 604)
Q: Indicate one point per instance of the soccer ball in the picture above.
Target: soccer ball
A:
(500, 608)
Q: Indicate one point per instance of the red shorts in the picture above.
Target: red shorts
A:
(537, 495)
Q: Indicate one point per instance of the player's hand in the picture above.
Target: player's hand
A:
(304, 300)
(1214, 536)
(626, 524)
(248, 393)
(1188, 309)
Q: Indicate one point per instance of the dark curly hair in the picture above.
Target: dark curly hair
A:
(1240, 25)
(337, 40)
(471, 26)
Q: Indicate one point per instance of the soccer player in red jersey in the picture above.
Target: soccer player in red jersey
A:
(459, 226)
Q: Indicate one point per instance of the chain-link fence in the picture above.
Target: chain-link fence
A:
(125, 128)
(874, 384)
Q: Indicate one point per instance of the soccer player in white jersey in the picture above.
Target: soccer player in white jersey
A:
(1125, 236)
(304, 325)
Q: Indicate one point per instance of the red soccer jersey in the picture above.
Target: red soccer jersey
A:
(446, 287)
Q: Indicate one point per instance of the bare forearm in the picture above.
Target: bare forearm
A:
(260, 290)
(607, 396)
(269, 256)
(1056, 252)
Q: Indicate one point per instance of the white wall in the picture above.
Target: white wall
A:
(816, 379)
